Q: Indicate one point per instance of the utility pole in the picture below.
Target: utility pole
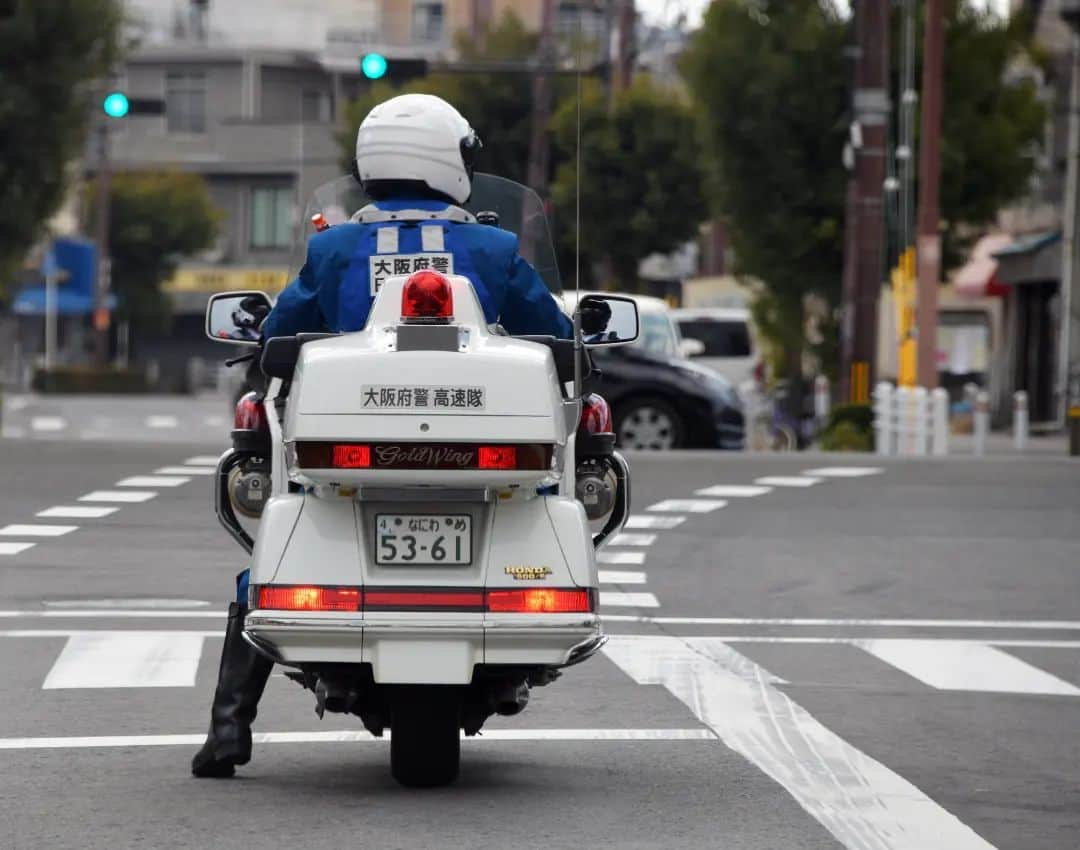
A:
(929, 217)
(865, 225)
(541, 105)
(104, 271)
(1068, 366)
(623, 48)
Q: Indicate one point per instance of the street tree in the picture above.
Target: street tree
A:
(641, 179)
(51, 52)
(156, 219)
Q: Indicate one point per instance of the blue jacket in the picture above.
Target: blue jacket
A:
(348, 262)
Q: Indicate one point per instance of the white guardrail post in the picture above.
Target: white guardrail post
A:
(981, 421)
(939, 417)
(883, 418)
(921, 414)
(904, 425)
(1021, 423)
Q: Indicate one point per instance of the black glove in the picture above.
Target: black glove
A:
(595, 316)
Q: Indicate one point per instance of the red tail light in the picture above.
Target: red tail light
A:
(348, 456)
(540, 600)
(450, 599)
(298, 597)
(427, 296)
(496, 457)
(596, 415)
(250, 414)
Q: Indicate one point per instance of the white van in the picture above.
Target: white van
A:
(720, 339)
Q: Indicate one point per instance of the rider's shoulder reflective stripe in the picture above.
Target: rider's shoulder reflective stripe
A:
(371, 214)
(386, 240)
(431, 238)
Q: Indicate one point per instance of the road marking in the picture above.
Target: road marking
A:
(184, 470)
(605, 557)
(37, 530)
(162, 421)
(853, 641)
(152, 481)
(357, 736)
(734, 491)
(12, 432)
(1053, 625)
(861, 802)
(7, 548)
(692, 506)
(788, 480)
(624, 539)
(201, 460)
(75, 512)
(962, 665)
(48, 423)
(17, 402)
(127, 660)
(105, 604)
(214, 422)
(659, 522)
(844, 471)
(628, 600)
(118, 496)
(621, 577)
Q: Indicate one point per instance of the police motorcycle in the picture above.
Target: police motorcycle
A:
(430, 494)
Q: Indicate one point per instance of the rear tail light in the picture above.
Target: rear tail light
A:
(596, 415)
(426, 297)
(450, 599)
(541, 600)
(496, 457)
(250, 414)
(350, 456)
(298, 597)
(311, 454)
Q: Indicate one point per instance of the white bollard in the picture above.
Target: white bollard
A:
(939, 413)
(903, 421)
(883, 418)
(1021, 424)
(981, 421)
(821, 400)
(921, 415)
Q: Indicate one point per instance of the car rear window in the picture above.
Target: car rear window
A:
(721, 337)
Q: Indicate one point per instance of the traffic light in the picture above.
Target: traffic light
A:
(376, 66)
(373, 66)
(116, 104)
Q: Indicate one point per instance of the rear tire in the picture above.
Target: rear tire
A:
(425, 738)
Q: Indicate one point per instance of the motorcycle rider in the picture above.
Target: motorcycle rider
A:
(414, 158)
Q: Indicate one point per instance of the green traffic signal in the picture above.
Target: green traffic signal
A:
(115, 104)
(373, 65)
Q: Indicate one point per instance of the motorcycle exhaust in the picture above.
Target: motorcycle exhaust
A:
(511, 699)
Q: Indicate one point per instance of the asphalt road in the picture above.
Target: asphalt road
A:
(882, 660)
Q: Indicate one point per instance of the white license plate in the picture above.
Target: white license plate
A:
(423, 539)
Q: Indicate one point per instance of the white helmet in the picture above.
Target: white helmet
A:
(417, 138)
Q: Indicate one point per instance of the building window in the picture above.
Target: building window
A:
(427, 22)
(185, 101)
(314, 106)
(271, 217)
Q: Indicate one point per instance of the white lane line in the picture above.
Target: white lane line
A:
(8, 548)
(214, 422)
(357, 736)
(124, 496)
(860, 801)
(628, 600)
(152, 481)
(658, 522)
(966, 666)
(690, 506)
(109, 614)
(106, 604)
(621, 577)
(162, 422)
(625, 539)
(605, 557)
(184, 470)
(12, 432)
(48, 423)
(75, 512)
(851, 641)
(133, 660)
(844, 471)
(201, 460)
(18, 530)
(1050, 625)
(734, 491)
(788, 480)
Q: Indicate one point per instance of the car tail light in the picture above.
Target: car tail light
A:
(426, 297)
(302, 597)
(541, 600)
(250, 414)
(496, 457)
(596, 415)
(351, 456)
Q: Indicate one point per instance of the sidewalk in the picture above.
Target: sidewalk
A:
(1001, 443)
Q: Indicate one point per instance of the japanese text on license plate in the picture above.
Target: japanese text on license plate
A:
(423, 539)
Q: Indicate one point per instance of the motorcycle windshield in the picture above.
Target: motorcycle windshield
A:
(517, 208)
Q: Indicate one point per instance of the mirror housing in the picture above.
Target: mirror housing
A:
(691, 347)
(608, 320)
(235, 317)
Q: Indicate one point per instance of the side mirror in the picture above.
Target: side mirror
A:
(608, 320)
(691, 347)
(236, 316)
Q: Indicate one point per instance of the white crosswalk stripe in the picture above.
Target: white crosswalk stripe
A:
(24, 530)
(622, 577)
(76, 512)
(788, 480)
(152, 481)
(606, 557)
(9, 548)
(734, 491)
(201, 460)
(691, 506)
(127, 660)
(123, 496)
(629, 539)
(657, 522)
(618, 599)
(185, 470)
(844, 471)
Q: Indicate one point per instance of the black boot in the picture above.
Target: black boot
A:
(241, 679)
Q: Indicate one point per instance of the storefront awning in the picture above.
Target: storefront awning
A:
(1031, 259)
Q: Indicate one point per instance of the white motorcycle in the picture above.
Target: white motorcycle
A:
(424, 487)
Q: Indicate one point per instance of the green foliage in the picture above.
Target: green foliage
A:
(51, 51)
(155, 219)
(850, 429)
(641, 187)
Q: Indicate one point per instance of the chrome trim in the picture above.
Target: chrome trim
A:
(621, 512)
(264, 647)
(585, 650)
(230, 459)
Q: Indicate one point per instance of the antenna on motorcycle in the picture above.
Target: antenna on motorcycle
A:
(578, 346)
